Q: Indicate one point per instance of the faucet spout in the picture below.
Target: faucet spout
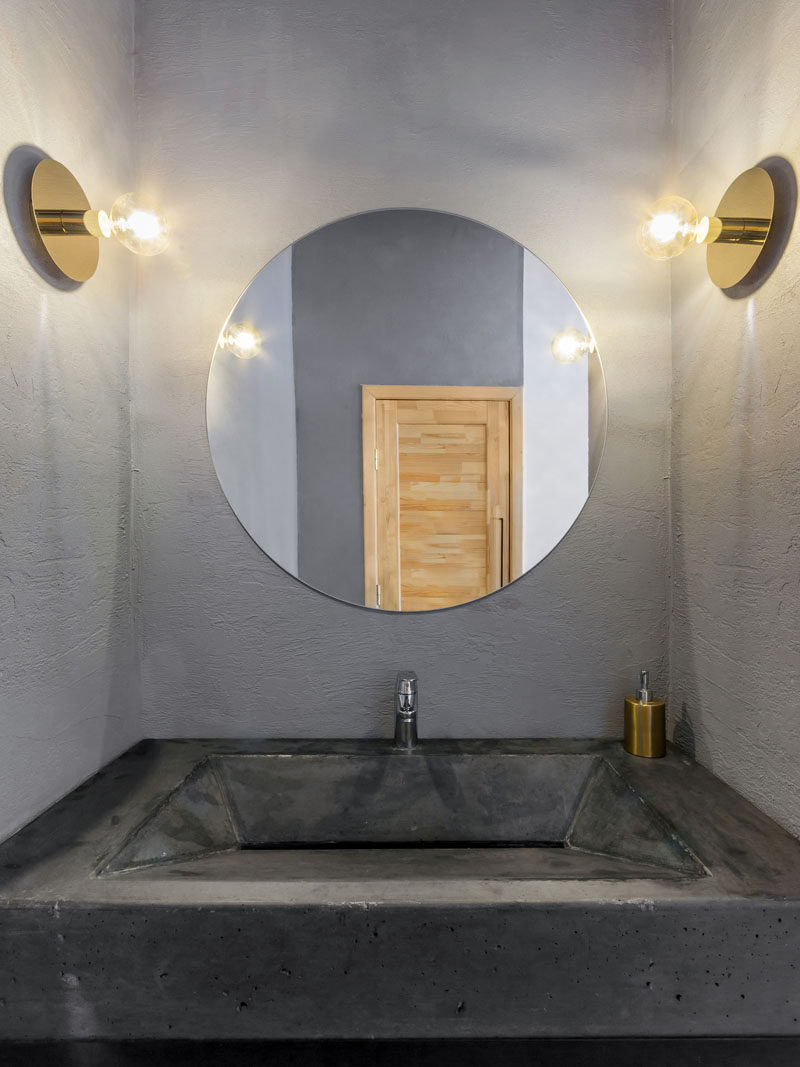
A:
(406, 702)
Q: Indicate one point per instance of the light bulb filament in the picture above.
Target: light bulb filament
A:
(669, 228)
(665, 227)
(242, 339)
(570, 345)
(138, 223)
(142, 224)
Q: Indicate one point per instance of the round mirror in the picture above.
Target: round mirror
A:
(406, 410)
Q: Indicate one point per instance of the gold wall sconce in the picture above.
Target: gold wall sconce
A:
(570, 345)
(735, 235)
(241, 338)
(71, 230)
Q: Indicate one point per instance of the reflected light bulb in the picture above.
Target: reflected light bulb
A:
(242, 339)
(138, 223)
(570, 345)
(669, 228)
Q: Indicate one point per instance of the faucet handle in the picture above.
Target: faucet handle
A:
(405, 710)
(406, 683)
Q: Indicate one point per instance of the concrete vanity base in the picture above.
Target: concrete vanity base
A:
(544, 1052)
(245, 952)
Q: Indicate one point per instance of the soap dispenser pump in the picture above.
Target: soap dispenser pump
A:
(645, 727)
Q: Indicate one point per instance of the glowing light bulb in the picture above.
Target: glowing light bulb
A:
(242, 339)
(138, 222)
(570, 345)
(669, 229)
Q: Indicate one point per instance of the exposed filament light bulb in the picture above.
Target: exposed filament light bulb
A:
(242, 339)
(570, 345)
(138, 223)
(670, 227)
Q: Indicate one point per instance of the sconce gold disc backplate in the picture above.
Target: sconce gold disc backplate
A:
(58, 204)
(751, 196)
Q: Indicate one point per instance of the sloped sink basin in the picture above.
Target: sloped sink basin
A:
(428, 814)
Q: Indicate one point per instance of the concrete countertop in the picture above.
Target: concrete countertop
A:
(234, 952)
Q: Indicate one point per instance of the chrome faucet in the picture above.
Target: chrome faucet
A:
(406, 702)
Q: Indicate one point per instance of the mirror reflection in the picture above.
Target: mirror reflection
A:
(386, 415)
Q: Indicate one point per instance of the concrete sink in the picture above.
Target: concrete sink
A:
(434, 811)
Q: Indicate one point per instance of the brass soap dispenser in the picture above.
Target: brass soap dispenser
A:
(645, 729)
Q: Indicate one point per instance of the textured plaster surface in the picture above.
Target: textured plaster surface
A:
(68, 697)
(258, 122)
(736, 428)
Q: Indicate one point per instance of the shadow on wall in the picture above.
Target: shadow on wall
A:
(785, 182)
(725, 468)
(17, 178)
(683, 734)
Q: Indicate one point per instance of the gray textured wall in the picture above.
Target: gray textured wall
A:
(387, 298)
(736, 432)
(68, 688)
(548, 122)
